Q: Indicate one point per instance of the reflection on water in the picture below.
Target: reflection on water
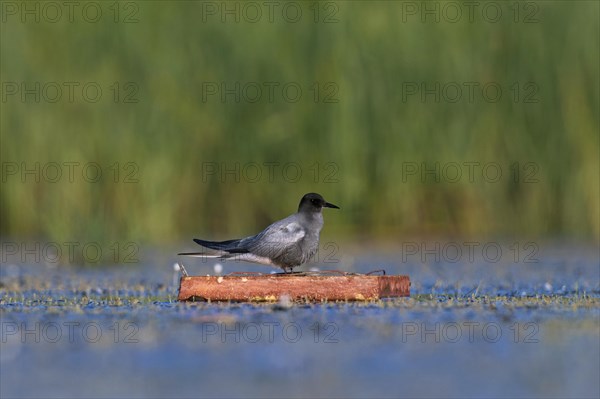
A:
(473, 327)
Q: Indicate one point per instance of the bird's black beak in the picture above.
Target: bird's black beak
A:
(328, 205)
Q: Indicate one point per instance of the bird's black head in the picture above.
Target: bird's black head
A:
(313, 202)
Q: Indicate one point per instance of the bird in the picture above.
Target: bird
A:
(287, 243)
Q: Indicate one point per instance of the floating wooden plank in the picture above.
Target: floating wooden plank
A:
(295, 286)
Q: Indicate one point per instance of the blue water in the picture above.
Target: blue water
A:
(471, 329)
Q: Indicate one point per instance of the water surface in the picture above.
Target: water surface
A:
(472, 328)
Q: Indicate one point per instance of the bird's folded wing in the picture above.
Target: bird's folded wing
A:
(277, 240)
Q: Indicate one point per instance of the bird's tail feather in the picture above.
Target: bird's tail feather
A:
(231, 246)
(200, 254)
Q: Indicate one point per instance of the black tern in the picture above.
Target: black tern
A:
(287, 243)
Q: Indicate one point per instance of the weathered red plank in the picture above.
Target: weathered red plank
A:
(251, 288)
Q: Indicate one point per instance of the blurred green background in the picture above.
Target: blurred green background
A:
(357, 123)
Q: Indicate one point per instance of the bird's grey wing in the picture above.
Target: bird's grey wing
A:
(277, 239)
